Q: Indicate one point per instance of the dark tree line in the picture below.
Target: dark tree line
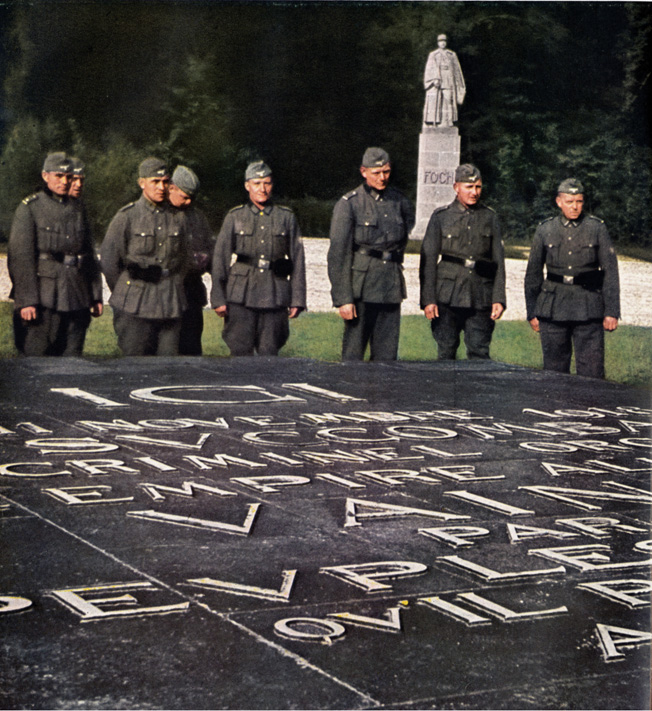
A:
(553, 89)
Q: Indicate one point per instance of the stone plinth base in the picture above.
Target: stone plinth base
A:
(439, 155)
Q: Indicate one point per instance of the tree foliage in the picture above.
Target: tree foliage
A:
(553, 89)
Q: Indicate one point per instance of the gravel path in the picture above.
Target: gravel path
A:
(635, 296)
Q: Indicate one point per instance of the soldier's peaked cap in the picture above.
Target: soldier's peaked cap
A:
(571, 186)
(441, 37)
(467, 173)
(57, 162)
(153, 168)
(257, 170)
(186, 180)
(375, 157)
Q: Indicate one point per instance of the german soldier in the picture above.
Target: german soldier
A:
(259, 277)
(462, 270)
(579, 299)
(144, 257)
(57, 285)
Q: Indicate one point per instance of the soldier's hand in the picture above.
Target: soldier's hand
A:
(431, 311)
(221, 311)
(294, 311)
(96, 309)
(535, 324)
(497, 311)
(28, 313)
(348, 312)
(610, 323)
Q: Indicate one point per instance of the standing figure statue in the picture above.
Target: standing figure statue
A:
(444, 85)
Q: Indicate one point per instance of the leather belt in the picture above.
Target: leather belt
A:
(482, 267)
(279, 267)
(68, 260)
(592, 281)
(388, 255)
(152, 273)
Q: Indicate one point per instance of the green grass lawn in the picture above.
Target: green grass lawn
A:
(319, 336)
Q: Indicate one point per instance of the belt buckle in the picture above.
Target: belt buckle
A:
(70, 260)
(469, 263)
(568, 279)
(263, 263)
(387, 256)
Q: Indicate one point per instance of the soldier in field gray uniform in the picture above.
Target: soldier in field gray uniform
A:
(144, 258)
(368, 234)
(462, 270)
(182, 194)
(259, 274)
(56, 280)
(579, 298)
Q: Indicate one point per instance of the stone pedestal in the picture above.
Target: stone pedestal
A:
(439, 155)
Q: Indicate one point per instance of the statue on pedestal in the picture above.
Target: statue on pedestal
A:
(444, 85)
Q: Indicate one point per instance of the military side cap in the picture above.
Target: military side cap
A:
(571, 186)
(467, 173)
(375, 157)
(77, 166)
(441, 37)
(186, 180)
(57, 162)
(152, 168)
(257, 170)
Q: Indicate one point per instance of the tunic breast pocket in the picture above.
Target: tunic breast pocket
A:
(51, 239)
(588, 254)
(142, 244)
(484, 245)
(280, 245)
(366, 229)
(244, 241)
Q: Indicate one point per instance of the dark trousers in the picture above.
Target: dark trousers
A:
(247, 330)
(192, 326)
(478, 327)
(52, 333)
(377, 325)
(558, 338)
(146, 336)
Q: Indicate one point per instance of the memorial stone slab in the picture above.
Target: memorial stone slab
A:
(283, 533)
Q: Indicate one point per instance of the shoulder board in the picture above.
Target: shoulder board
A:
(237, 207)
(284, 207)
(349, 195)
(440, 209)
(486, 207)
(543, 222)
(128, 206)
(30, 198)
(597, 219)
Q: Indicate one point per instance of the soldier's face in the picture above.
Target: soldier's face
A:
(571, 206)
(377, 178)
(468, 193)
(76, 186)
(177, 197)
(154, 189)
(259, 189)
(441, 44)
(58, 183)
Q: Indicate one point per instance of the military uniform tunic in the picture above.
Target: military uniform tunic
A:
(53, 267)
(574, 252)
(259, 272)
(368, 234)
(469, 278)
(144, 257)
(201, 245)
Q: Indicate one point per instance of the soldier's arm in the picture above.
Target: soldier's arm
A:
(221, 265)
(22, 260)
(430, 249)
(340, 254)
(611, 284)
(498, 296)
(113, 249)
(534, 276)
(298, 279)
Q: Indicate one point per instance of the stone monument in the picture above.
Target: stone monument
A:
(439, 141)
